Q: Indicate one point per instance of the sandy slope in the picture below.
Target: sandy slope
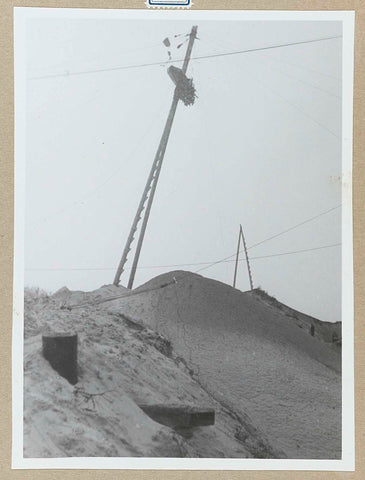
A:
(60, 422)
(329, 333)
(133, 365)
(250, 356)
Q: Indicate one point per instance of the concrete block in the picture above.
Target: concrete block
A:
(180, 416)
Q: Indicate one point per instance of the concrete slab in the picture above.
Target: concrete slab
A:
(180, 416)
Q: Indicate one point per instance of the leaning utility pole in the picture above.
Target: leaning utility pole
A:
(241, 236)
(150, 188)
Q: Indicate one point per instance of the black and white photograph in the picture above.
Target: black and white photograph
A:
(183, 290)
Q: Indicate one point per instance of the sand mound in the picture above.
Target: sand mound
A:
(121, 365)
(250, 355)
(329, 333)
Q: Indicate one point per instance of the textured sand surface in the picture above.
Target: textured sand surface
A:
(250, 356)
(121, 365)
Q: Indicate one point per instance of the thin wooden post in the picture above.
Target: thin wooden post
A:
(241, 235)
(237, 256)
(247, 260)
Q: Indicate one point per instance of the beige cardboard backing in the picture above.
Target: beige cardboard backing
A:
(6, 240)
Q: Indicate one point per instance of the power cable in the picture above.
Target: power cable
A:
(299, 109)
(273, 59)
(211, 264)
(311, 70)
(294, 251)
(292, 104)
(123, 53)
(273, 236)
(181, 264)
(116, 297)
(209, 56)
(304, 82)
(139, 291)
(295, 226)
(200, 57)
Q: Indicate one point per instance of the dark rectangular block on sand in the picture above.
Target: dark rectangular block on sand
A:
(61, 352)
(180, 415)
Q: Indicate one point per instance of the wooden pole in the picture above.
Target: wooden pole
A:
(161, 151)
(237, 256)
(158, 161)
(247, 260)
(241, 235)
(137, 218)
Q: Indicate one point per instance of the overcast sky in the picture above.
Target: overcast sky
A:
(260, 147)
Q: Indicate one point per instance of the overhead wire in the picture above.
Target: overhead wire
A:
(225, 45)
(272, 237)
(174, 281)
(296, 251)
(120, 53)
(306, 69)
(87, 195)
(181, 264)
(292, 104)
(199, 57)
(130, 293)
(211, 264)
(295, 226)
(221, 55)
(299, 109)
(304, 82)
